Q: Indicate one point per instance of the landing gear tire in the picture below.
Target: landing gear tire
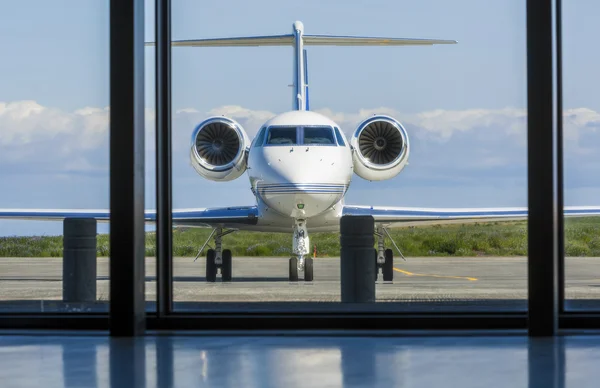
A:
(376, 264)
(388, 266)
(211, 266)
(308, 269)
(226, 266)
(293, 269)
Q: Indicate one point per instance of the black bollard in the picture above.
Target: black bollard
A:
(79, 260)
(357, 261)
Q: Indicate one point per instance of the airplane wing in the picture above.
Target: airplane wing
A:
(229, 217)
(398, 217)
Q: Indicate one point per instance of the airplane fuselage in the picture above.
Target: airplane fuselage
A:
(300, 167)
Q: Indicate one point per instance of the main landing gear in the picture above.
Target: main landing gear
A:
(384, 258)
(217, 258)
(298, 262)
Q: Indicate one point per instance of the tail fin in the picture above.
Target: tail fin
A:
(298, 40)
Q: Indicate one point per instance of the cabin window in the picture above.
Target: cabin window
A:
(282, 136)
(318, 135)
(260, 139)
(340, 138)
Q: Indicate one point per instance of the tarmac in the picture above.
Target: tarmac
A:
(261, 284)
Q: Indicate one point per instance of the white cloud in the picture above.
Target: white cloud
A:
(251, 120)
(33, 136)
(187, 110)
(27, 122)
(37, 135)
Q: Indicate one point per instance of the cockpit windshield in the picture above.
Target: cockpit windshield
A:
(289, 135)
(282, 136)
(318, 135)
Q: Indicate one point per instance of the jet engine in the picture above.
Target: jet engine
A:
(380, 148)
(219, 149)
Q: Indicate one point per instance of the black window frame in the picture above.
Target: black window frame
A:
(127, 316)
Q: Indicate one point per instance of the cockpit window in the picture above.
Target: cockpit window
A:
(318, 135)
(260, 139)
(282, 136)
(340, 138)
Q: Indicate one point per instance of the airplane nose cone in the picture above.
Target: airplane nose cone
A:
(304, 181)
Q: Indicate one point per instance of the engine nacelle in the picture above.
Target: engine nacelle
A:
(380, 148)
(219, 149)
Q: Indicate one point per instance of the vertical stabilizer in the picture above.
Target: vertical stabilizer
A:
(299, 98)
(306, 80)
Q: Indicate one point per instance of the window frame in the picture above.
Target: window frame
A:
(127, 315)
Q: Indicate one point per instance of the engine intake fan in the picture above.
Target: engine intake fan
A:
(217, 143)
(380, 142)
(219, 148)
(381, 148)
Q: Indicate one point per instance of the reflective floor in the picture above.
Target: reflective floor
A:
(302, 361)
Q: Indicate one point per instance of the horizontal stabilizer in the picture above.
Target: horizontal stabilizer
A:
(297, 39)
(250, 41)
(309, 40)
(332, 40)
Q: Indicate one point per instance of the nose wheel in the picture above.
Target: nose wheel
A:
(301, 265)
(308, 269)
(293, 269)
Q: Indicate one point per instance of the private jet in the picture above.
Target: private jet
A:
(300, 166)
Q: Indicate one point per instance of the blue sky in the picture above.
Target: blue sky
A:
(464, 105)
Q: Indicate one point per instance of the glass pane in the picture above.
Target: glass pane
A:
(260, 139)
(316, 135)
(54, 154)
(459, 208)
(581, 122)
(281, 136)
(340, 138)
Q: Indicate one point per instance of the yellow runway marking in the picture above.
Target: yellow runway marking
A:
(433, 276)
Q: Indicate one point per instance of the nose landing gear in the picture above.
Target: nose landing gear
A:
(300, 263)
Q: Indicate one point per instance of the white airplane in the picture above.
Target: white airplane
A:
(300, 166)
